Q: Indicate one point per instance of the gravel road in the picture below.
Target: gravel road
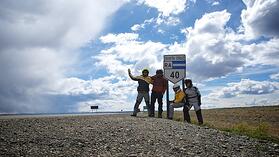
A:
(121, 135)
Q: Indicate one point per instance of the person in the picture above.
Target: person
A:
(193, 98)
(179, 100)
(143, 89)
(158, 90)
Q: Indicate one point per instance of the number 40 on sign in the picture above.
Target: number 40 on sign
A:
(175, 67)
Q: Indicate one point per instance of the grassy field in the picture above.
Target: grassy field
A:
(257, 122)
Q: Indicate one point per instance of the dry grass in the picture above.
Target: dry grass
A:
(257, 122)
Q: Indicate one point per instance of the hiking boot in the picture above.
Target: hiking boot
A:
(152, 115)
(186, 114)
(199, 117)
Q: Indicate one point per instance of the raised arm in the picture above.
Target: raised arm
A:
(131, 76)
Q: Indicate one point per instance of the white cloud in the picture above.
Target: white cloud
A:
(244, 93)
(246, 86)
(274, 76)
(104, 105)
(161, 31)
(129, 52)
(110, 93)
(120, 38)
(261, 18)
(171, 21)
(166, 7)
(77, 23)
(214, 50)
(168, 12)
(215, 3)
(241, 101)
(265, 52)
(213, 22)
(210, 50)
(39, 42)
(137, 27)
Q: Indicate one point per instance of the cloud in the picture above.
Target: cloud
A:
(110, 93)
(26, 74)
(171, 21)
(215, 3)
(265, 53)
(166, 7)
(274, 76)
(210, 50)
(39, 46)
(137, 27)
(244, 93)
(77, 22)
(168, 13)
(246, 87)
(261, 18)
(241, 101)
(128, 51)
(122, 38)
(214, 50)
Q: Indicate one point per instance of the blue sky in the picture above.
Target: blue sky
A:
(58, 56)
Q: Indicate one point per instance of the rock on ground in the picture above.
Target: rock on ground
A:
(121, 135)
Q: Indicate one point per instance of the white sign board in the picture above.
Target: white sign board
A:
(175, 67)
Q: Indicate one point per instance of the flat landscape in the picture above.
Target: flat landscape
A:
(123, 135)
(262, 121)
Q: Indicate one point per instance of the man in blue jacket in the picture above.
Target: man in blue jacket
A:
(143, 89)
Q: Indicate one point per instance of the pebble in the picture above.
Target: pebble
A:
(122, 135)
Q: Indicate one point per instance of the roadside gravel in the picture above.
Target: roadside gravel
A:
(121, 135)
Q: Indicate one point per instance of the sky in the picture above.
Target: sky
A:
(64, 56)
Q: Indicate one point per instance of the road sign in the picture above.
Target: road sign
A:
(175, 67)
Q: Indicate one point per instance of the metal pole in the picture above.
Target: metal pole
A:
(168, 102)
(183, 85)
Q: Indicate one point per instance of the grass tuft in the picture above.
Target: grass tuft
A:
(260, 131)
(229, 123)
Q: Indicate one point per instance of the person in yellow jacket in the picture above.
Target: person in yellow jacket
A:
(179, 100)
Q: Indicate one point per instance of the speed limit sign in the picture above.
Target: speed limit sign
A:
(175, 67)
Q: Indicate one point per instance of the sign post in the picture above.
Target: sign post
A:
(174, 71)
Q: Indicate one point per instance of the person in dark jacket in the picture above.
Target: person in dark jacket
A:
(143, 89)
(193, 98)
(158, 90)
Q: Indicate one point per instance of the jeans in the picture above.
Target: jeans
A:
(140, 96)
(172, 106)
(159, 97)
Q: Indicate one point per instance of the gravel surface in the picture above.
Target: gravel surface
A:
(121, 135)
